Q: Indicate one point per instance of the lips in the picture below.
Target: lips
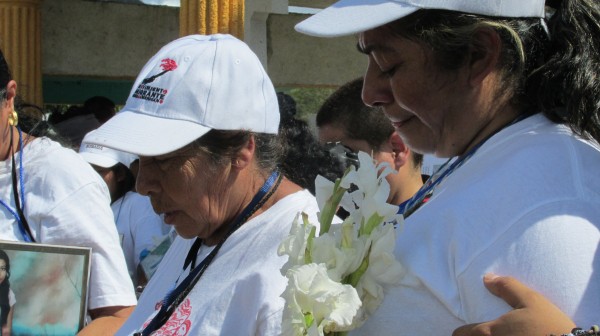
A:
(169, 217)
(400, 124)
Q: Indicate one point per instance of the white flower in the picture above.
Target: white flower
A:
(383, 268)
(323, 191)
(294, 246)
(313, 300)
(336, 280)
(340, 250)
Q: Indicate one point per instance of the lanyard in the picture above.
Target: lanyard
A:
(176, 296)
(410, 206)
(20, 204)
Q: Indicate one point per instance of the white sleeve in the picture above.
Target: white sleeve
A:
(11, 297)
(84, 218)
(553, 249)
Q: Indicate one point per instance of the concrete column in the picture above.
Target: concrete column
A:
(212, 17)
(20, 40)
(257, 13)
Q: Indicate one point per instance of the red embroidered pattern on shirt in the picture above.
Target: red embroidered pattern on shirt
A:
(179, 323)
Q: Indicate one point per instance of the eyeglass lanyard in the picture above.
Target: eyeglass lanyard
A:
(410, 206)
(176, 296)
(19, 217)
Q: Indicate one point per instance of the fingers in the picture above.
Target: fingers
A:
(476, 329)
(509, 289)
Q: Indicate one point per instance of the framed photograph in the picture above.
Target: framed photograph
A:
(43, 288)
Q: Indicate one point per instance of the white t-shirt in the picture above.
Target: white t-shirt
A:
(139, 227)
(67, 203)
(526, 204)
(239, 292)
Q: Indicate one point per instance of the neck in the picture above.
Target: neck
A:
(503, 119)
(10, 143)
(404, 184)
(285, 188)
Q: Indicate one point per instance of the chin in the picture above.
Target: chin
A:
(185, 234)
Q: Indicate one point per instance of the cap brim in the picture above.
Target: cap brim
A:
(348, 17)
(98, 159)
(146, 135)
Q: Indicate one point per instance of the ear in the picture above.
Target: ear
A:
(11, 93)
(245, 156)
(484, 54)
(400, 150)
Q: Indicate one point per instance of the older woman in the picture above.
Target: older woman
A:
(512, 91)
(203, 116)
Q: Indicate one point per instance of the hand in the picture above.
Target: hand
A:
(533, 314)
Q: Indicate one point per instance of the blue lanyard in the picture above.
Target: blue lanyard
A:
(24, 232)
(176, 296)
(410, 206)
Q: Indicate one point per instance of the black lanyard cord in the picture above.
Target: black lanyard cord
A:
(175, 297)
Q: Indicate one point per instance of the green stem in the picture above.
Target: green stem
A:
(331, 207)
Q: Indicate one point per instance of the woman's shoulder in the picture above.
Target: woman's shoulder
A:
(45, 156)
(48, 164)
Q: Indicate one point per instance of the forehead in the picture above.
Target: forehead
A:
(2, 262)
(331, 133)
(380, 39)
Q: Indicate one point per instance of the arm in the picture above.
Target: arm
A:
(532, 313)
(7, 328)
(106, 320)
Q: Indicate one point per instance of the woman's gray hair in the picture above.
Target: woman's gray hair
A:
(222, 145)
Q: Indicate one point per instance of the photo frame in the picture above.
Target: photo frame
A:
(49, 285)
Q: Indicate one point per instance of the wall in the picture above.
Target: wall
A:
(111, 40)
(300, 60)
(91, 47)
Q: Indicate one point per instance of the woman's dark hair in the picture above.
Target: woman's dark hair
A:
(4, 290)
(304, 157)
(5, 75)
(128, 182)
(31, 117)
(556, 72)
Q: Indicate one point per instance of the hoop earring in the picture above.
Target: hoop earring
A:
(13, 118)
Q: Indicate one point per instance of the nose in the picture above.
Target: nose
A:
(376, 87)
(146, 182)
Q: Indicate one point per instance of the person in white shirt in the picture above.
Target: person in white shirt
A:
(509, 88)
(50, 195)
(203, 117)
(140, 228)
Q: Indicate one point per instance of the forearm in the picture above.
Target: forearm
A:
(106, 321)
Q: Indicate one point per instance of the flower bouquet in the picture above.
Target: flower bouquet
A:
(336, 278)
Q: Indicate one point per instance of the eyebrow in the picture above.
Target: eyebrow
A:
(367, 50)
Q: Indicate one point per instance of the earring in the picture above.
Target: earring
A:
(13, 118)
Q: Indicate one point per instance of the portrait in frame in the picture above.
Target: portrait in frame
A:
(48, 287)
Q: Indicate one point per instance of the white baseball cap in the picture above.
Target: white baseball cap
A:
(103, 156)
(348, 17)
(192, 85)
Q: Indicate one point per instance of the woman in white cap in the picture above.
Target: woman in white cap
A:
(512, 90)
(139, 227)
(203, 117)
(49, 195)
